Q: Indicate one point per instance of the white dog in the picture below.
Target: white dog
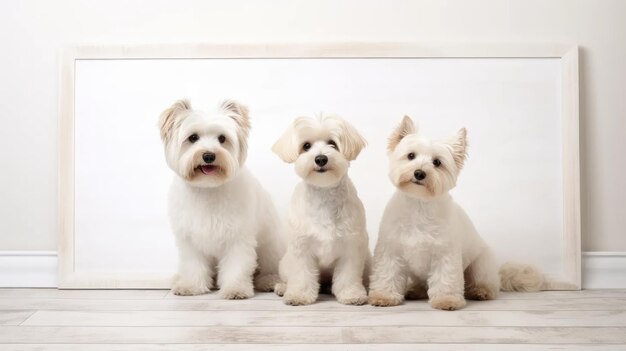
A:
(328, 242)
(427, 246)
(222, 218)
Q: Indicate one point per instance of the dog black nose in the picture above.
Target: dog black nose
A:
(419, 174)
(321, 160)
(208, 157)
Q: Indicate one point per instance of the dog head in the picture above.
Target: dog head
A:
(206, 149)
(321, 148)
(421, 167)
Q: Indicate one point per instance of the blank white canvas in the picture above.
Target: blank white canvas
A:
(511, 185)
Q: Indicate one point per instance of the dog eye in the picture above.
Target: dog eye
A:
(221, 139)
(436, 162)
(411, 156)
(332, 143)
(193, 138)
(306, 146)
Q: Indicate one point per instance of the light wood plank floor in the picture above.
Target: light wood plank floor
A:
(50, 319)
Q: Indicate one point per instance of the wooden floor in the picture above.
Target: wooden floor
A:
(48, 319)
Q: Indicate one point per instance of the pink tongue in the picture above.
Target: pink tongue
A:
(206, 169)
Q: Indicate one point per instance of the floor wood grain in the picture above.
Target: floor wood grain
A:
(50, 319)
(324, 335)
(82, 294)
(326, 303)
(14, 317)
(311, 347)
(316, 319)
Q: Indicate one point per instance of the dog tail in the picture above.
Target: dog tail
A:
(521, 277)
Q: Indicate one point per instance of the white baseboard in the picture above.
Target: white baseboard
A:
(38, 269)
(28, 269)
(604, 270)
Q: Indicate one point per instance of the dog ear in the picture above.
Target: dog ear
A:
(458, 144)
(405, 128)
(239, 113)
(285, 147)
(169, 118)
(351, 142)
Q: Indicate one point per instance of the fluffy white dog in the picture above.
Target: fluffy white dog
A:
(428, 246)
(222, 218)
(328, 242)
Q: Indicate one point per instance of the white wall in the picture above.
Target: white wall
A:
(32, 32)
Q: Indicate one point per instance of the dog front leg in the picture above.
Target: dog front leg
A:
(445, 281)
(235, 272)
(302, 275)
(194, 271)
(389, 278)
(348, 278)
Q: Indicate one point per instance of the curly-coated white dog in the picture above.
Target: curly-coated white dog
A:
(222, 218)
(427, 245)
(328, 239)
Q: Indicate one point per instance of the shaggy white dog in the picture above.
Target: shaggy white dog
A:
(328, 240)
(428, 246)
(222, 218)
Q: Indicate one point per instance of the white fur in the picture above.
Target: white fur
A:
(521, 277)
(427, 245)
(328, 239)
(225, 223)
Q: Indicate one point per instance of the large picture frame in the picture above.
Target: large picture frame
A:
(70, 277)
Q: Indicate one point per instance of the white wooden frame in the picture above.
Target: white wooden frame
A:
(69, 278)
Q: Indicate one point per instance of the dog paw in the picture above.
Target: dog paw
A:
(384, 299)
(447, 302)
(266, 282)
(298, 299)
(480, 293)
(280, 288)
(352, 296)
(182, 289)
(236, 294)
